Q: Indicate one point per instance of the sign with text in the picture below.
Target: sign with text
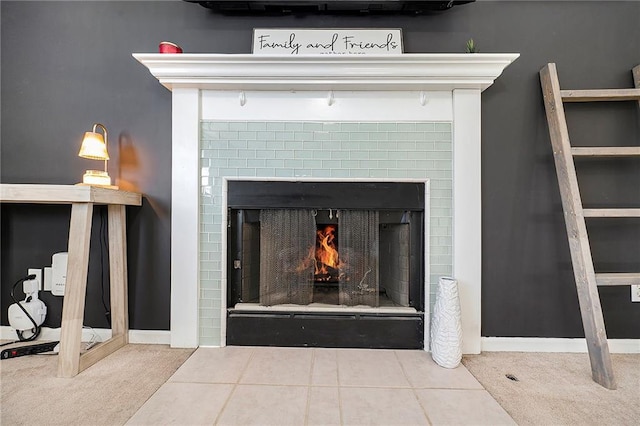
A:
(269, 41)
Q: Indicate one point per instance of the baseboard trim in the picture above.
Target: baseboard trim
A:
(543, 344)
(152, 337)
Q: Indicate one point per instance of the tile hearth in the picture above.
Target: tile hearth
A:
(260, 386)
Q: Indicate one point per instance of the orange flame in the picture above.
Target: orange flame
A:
(326, 251)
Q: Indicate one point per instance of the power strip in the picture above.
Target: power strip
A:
(28, 350)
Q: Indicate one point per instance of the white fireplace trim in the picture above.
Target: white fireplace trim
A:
(463, 76)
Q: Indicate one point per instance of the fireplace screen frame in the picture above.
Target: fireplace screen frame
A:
(401, 202)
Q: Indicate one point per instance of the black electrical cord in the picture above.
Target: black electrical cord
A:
(36, 328)
(103, 244)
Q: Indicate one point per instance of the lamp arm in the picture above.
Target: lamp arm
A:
(106, 143)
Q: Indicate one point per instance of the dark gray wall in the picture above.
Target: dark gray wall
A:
(66, 65)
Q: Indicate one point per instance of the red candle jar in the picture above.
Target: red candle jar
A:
(168, 47)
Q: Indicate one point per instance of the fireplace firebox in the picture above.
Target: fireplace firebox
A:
(332, 264)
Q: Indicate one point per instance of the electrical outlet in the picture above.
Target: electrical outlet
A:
(635, 293)
(38, 273)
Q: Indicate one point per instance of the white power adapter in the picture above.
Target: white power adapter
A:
(18, 318)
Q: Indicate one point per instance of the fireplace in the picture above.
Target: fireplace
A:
(232, 119)
(360, 263)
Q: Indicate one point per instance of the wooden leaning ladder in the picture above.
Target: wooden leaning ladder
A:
(587, 281)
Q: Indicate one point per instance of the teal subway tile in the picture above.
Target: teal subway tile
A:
(311, 127)
(237, 162)
(378, 155)
(206, 266)
(284, 173)
(442, 164)
(256, 126)
(210, 228)
(406, 164)
(256, 162)
(321, 154)
(349, 164)
(417, 174)
(218, 125)
(424, 164)
(206, 246)
(258, 144)
(368, 127)
(378, 173)
(349, 127)
(293, 163)
(320, 173)
(387, 164)
(266, 136)
(228, 153)
(330, 127)
(431, 136)
(247, 153)
(238, 125)
(321, 136)
(285, 136)
(387, 145)
(331, 145)
(367, 145)
(313, 164)
(387, 127)
(210, 135)
(249, 172)
(301, 172)
(284, 154)
(293, 145)
(294, 126)
(355, 173)
(425, 127)
(441, 193)
(407, 146)
(275, 125)
(442, 127)
(442, 146)
(228, 172)
(274, 163)
(358, 155)
(265, 153)
(358, 136)
(398, 173)
(368, 164)
(303, 136)
(340, 136)
(248, 136)
(399, 136)
(229, 135)
(340, 155)
(379, 136)
(206, 218)
(406, 127)
(265, 172)
(398, 155)
(218, 162)
(206, 303)
(275, 145)
(302, 154)
(341, 173)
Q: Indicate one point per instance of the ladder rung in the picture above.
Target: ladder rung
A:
(613, 151)
(611, 212)
(592, 95)
(623, 278)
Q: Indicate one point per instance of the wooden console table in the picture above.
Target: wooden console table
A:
(82, 199)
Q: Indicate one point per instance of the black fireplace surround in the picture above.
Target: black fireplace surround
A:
(396, 205)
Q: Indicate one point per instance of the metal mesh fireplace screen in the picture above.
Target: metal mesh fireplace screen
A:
(287, 238)
(358, 242)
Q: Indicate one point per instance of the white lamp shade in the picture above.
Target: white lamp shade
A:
(93, 147)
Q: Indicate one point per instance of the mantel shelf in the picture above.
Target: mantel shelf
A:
(437, 71)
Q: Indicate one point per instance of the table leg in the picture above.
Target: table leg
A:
(75, 289)
(118, 271)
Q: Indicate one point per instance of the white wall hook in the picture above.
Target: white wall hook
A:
(243, 99)
(330, 98)
(423, 98)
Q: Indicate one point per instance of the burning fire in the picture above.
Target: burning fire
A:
(326, 255)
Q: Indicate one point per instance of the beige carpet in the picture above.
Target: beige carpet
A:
(107, 393)
(556, 388)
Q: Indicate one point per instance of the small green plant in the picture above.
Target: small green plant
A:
(471, 46)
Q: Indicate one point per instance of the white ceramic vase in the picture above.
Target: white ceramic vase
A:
(446, 328)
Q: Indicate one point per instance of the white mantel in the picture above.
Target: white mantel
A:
(444, 84)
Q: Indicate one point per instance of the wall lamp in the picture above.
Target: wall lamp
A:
(94, 147)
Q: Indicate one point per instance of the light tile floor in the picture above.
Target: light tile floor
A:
(313, 386)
